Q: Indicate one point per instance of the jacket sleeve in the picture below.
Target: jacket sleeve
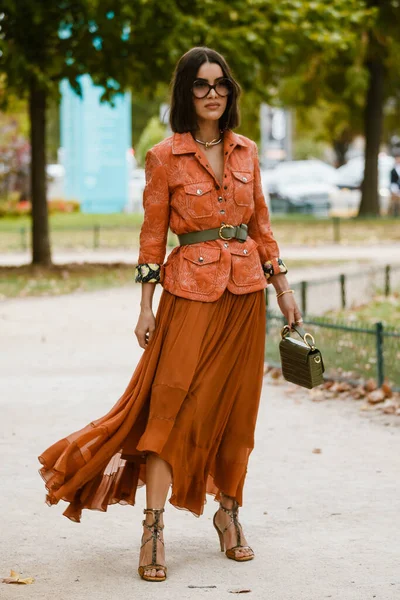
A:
(154, 231)
(259, 228)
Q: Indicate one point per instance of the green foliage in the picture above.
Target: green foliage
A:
(307, 148)
(153, 133)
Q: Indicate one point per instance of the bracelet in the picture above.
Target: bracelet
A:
(285, 292)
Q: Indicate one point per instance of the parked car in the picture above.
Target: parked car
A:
(303, 186)
(349, 178)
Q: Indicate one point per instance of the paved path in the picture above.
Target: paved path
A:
(386, 253)
(322, 525)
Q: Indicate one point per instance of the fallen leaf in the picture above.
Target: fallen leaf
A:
(376, 396)
(16, 578)
(327, 385)
(370, 386)
(275, 373)
(387, 390)
(358, 393)
(344, 387)
(317, 451)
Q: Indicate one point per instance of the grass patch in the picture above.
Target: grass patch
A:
(382, 308)
(31, 280)
(77, 230)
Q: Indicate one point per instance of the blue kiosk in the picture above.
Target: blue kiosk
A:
(95, 140)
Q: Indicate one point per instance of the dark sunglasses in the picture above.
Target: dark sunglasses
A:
(202, 88)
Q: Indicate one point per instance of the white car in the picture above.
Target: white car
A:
(301, 186)
(350, 177)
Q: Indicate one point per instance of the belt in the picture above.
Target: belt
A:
(225, 232)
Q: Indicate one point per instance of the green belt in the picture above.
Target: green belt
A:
(225, 232)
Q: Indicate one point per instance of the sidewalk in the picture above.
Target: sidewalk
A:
(384, 253)
(322, 525)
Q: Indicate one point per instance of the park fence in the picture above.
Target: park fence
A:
(342, 291)
(353, 353)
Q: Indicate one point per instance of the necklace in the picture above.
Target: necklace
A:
(209, 144)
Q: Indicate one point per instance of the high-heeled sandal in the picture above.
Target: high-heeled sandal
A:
(155, 529)
(231, 552)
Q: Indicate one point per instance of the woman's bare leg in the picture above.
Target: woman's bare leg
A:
(158, 481)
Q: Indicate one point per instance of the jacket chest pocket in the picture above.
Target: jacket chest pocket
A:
(198, 269)
(243, 187)
(198, 199)
(246, 265)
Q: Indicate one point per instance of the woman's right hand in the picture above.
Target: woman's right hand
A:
(145, 327)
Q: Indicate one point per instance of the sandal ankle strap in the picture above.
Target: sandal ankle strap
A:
(156, 524)
(155, 510)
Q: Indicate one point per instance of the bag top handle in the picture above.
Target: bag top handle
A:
(305, 336)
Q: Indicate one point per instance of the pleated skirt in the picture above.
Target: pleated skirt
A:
(193, 400)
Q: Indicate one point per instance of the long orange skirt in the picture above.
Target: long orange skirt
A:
(192, 399)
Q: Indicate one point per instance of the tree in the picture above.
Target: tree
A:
(354, 85)
(381, 58)
(42, 43)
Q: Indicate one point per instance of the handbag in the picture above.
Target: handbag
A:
(301, 361)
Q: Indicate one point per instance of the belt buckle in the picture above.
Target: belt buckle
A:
(223, 227)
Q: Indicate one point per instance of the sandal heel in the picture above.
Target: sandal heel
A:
(220, 535)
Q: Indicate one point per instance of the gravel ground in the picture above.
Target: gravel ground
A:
(323, 525)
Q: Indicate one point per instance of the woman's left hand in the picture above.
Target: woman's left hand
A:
(289, 309)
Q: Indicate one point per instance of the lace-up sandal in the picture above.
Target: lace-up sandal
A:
(231, 552)
(155, 529)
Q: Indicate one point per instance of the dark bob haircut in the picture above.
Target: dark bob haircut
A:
(183, 114)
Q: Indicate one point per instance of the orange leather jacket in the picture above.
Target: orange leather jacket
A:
(182, 193)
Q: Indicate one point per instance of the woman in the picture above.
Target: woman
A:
(188, 415)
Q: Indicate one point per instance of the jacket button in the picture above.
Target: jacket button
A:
(226, 245)
(220, 198)
(199, 192)
(222, 212)
(244, 179)
(245, 251)
(201, 259)
(225, 187)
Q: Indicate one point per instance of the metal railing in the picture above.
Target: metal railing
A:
(353, 353)
(342, 291)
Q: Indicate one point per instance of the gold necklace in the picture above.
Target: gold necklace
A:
(209, 144)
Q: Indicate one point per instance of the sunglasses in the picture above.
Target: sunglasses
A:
(201, 88)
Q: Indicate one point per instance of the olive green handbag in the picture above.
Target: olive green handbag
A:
(301, 361)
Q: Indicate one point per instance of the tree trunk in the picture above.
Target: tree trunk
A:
(340, 147)
(373, 122)
(41, 254)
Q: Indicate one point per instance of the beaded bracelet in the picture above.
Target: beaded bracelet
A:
(285, 292)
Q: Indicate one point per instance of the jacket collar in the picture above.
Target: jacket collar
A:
(183, 143)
